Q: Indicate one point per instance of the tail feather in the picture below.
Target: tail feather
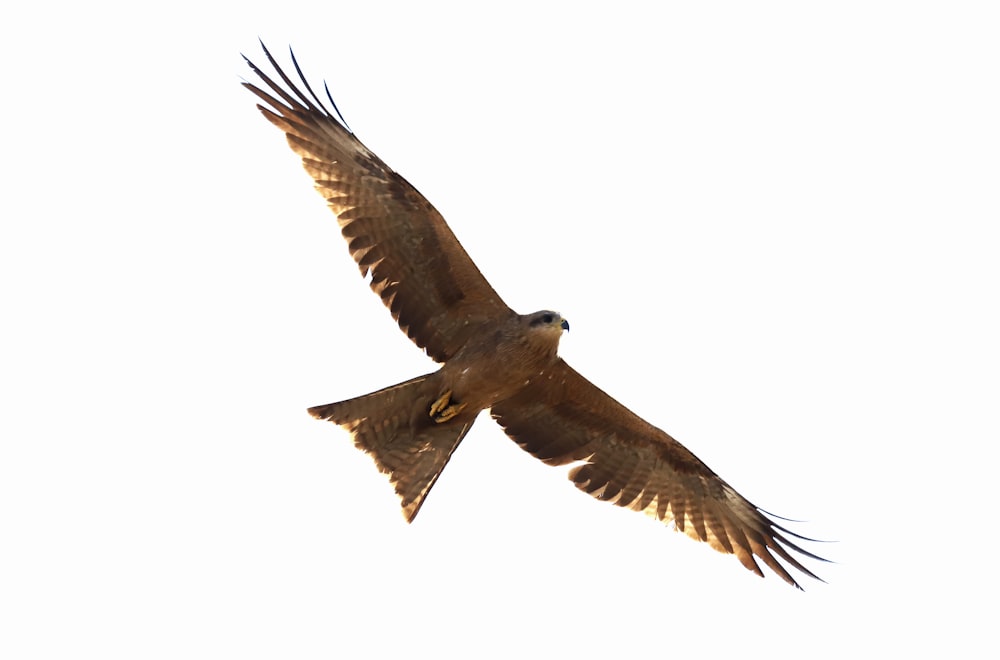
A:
(394, 427)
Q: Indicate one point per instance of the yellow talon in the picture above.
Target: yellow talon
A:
(449, 412)
(440, 404)
(440, 410)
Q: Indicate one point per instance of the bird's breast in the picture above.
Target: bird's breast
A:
(483, 381)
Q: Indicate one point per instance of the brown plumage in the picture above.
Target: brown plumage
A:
(492, 358)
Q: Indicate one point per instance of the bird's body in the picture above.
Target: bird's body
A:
(492, 358)
(411, 429)
(484, 372)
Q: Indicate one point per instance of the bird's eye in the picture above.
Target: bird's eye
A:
(547, 319)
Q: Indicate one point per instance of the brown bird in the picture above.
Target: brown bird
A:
(492, 358)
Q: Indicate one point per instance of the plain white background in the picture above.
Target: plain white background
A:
(772, 227)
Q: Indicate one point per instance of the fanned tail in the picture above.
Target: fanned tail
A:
(395, 428)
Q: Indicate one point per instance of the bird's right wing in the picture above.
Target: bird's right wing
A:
(417, 266)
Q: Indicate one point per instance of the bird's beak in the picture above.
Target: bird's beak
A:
(564, 325)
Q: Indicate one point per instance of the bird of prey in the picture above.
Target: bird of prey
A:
(491, 357)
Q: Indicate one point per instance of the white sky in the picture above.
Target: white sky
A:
(773, 229)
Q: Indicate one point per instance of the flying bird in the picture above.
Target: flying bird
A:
(491, 357)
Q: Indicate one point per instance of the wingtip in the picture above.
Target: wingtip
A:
(324, 412)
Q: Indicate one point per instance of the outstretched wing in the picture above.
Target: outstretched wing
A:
(561, 417)
(417, 266)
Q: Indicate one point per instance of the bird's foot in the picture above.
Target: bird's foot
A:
(440, 404)
(441, 411)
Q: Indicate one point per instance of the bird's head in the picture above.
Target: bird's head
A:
(547, 321)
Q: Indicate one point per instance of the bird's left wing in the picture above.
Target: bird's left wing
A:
(561, 417)
(417, 266)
